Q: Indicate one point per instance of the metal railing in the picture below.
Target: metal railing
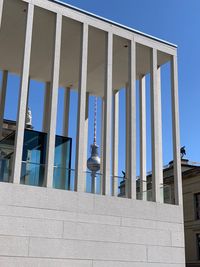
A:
(32, 173)
(63, 178)
(145, 192)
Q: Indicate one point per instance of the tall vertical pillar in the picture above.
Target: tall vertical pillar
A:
(65, 177)
(47, 96)
(127, 138)
(176, 132)
(79, 175)
(66, 112)
(102, 133)
(102, 143)
(3, 99)
(159, 110)
(29, 81)
(131, 149)
(19, 137)
(143, 179)
(115, 140)
(156, 121)
(49, 169)
(106, 185)
(86, 132)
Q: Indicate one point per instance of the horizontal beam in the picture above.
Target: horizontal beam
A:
(108, 26)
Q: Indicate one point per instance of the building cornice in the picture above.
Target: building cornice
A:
(113, 23)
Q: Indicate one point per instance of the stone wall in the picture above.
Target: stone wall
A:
(191, 186)
(49, 227)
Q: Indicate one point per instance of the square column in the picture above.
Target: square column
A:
(176, 133)
(156, 128)
(86, 132)
(160, 130)
(80, 181)
(3, 99)
(65, 129)
(49, 169)
(127, 174)
(131, 142)
(115, 140)
(47, 95)
(102, 133)
(29, 82)
(143, 177)
(106, 185)
(102, 142)
(65, 132)
(21, 117)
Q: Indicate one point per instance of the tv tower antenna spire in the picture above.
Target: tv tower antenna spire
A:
(95, 120)
(93, 163)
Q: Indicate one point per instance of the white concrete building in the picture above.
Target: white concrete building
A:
(62, 46)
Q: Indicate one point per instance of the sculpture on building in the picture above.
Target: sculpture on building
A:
(183, 152)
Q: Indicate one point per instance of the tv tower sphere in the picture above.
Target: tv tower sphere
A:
(93, 163)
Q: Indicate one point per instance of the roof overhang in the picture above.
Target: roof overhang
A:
(12, 36)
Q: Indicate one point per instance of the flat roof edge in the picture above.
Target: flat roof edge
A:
(113, 22)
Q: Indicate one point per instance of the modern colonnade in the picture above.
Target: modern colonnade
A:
(110, 111)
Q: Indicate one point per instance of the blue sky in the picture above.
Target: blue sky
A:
(176, 21)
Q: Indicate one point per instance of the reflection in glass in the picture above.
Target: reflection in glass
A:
(33, 158)
(62, 163)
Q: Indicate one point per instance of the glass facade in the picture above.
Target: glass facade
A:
(34, 159)
(62, 163)
(6, 156)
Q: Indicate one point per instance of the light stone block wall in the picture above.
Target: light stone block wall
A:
(191, 186)
(49, 227)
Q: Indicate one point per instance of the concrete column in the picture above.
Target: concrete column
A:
(156, 125)
(131, 188)
(49, 169)
(159, 110)
(176, 133)
(3, 99)
(102, 133)
(127, 140)
(19, 136)
(106, 185)
(47, 96)
(102, 142)
(79, 175)
(1, 11)
(115, 140)
(86, 133)
(66, 111)
(65, 132)
(143, 178)
(29, 81)
(85, 174)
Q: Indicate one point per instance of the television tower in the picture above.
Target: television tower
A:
(93, 163)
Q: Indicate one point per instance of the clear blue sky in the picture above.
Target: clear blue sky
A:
(176, 21)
